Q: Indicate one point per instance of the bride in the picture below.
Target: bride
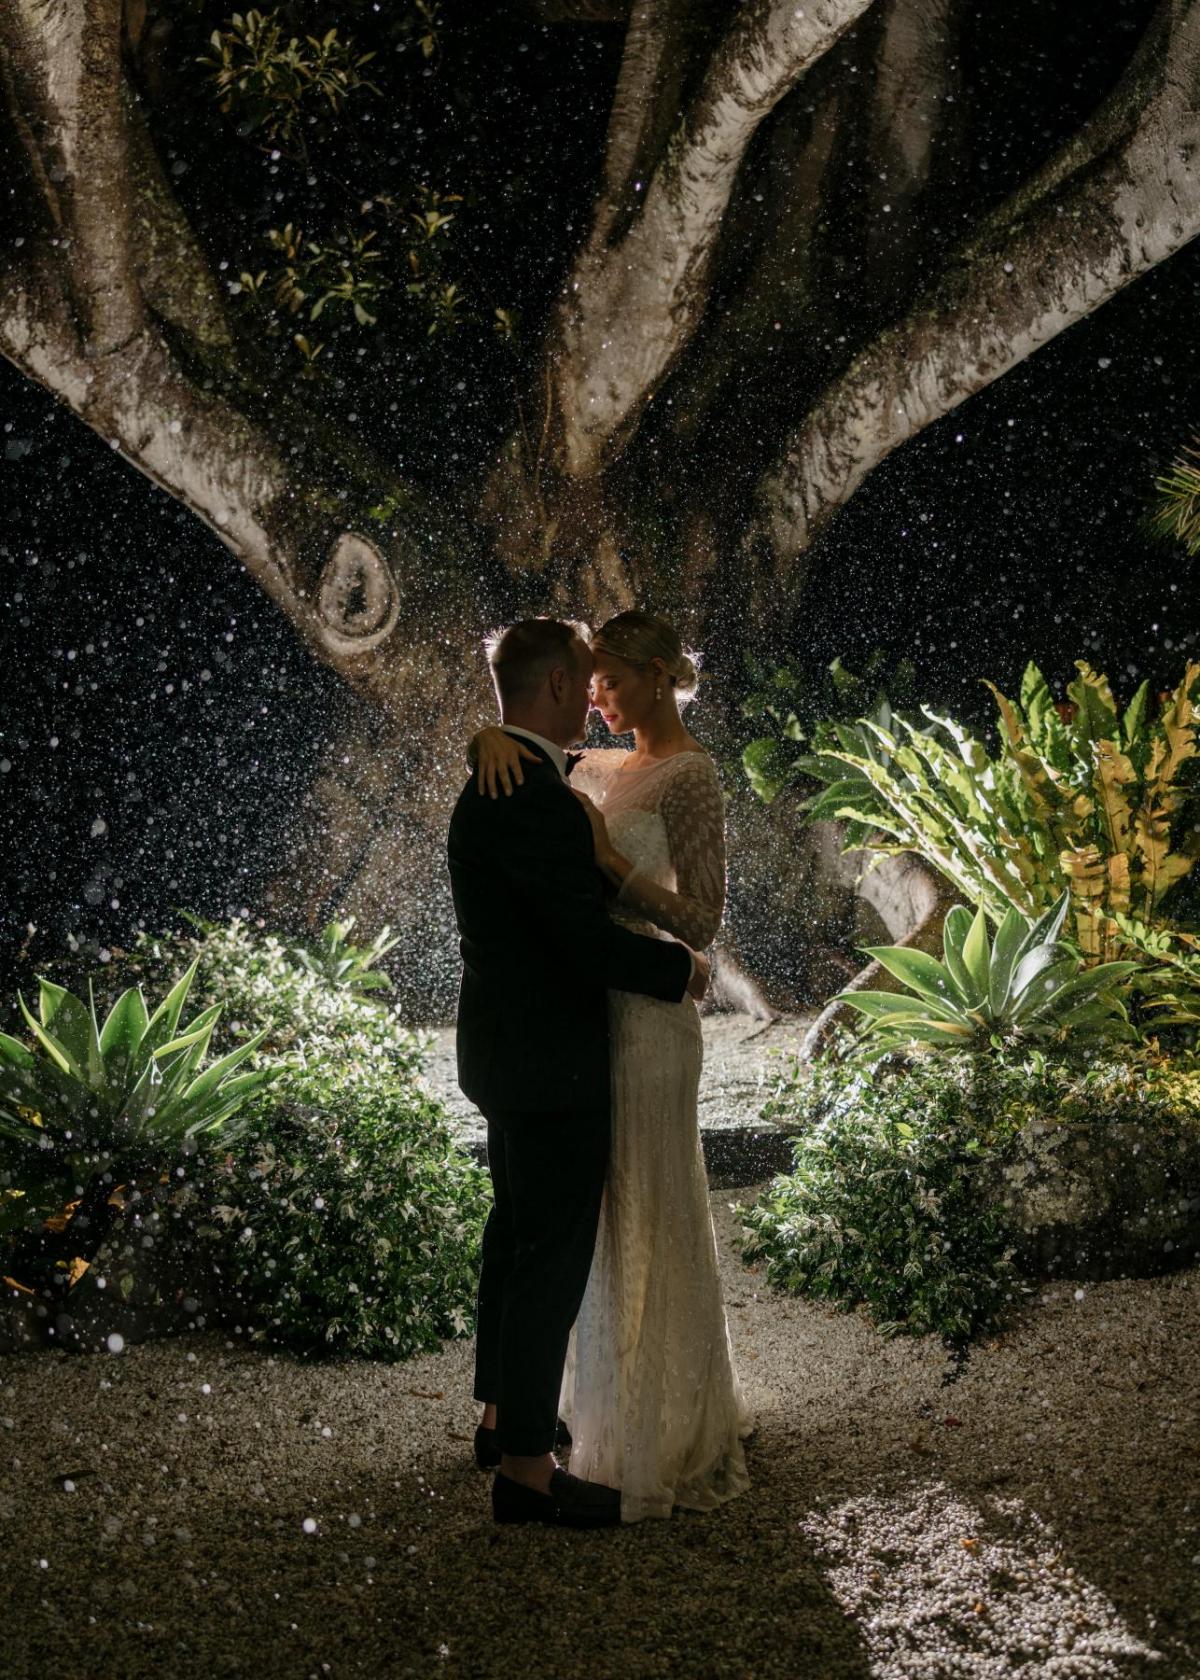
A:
(653, 1400)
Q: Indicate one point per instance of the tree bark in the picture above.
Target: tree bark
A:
(632, 302)
(848, 167)
(911, 140)
(639, 285)
(1062, 247)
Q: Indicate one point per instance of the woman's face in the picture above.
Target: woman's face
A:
(623, 695)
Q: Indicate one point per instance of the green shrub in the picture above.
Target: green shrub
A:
(302, 996)
(345, 1219)
(893, 1206)
(791, 703)
(339, 1217)
(883, 1208)
(341, 964)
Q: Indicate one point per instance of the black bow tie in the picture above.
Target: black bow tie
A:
(572, 761)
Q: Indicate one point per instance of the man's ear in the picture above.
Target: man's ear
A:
(558, 683)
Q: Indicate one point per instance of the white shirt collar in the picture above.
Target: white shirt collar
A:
(557, 755)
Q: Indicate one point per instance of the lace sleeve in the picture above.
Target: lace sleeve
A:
(694, 814)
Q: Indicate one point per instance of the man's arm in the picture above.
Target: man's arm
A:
(544, 847)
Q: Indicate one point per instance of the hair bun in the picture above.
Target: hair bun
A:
(686, 674)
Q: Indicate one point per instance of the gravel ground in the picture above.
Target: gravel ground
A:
(189, 1508)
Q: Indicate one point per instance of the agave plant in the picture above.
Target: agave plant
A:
(335, 960)
(92, 1105)
(1025, 984)
(1079, 797)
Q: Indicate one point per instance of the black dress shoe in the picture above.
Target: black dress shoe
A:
(514, 1503)
(487, 1445)
(584, 1504)
(571, 1503)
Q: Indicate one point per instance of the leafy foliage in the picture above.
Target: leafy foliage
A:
(1025, 985)
(1176, 514)
(336, 1214)
(340, 964)
(885, 1207)
(1171, 981)
(386, 252)
(344, 1220)
(308, 997)
(791, 704)
(270, 81)
(349, 273)
(1080, 796)
(892, 1204)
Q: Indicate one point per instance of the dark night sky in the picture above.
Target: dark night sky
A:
(159, 719)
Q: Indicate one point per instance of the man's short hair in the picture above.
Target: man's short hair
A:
(523, 656)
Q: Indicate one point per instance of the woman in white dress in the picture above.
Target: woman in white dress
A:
(651, 1393)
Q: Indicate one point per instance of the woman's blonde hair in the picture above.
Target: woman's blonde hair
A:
(638, 637)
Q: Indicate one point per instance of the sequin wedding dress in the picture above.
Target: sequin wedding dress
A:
(650, 1389)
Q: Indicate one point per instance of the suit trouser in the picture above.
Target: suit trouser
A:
(548, 1173)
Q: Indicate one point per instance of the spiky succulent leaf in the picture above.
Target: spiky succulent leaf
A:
(164, 1022)
(52, 1045)
(1004, 953)
(917, 969)
(122, 1034)
(976, 956)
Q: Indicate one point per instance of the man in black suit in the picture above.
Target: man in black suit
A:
(540, 953)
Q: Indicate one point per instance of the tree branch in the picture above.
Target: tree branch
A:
(645, 104)
(64, 68)
(843, 180)
(174, 275)
(911, 104)
(631, 305)
(295, 509)
(1050, 259)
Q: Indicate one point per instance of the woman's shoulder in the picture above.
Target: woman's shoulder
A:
(694, 764)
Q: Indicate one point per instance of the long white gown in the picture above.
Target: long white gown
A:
(650, 1389)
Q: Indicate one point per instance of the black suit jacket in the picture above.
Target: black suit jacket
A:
(539, 949)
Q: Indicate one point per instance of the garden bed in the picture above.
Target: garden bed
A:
(933, 1191)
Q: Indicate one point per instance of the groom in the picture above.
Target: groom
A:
(539, 954)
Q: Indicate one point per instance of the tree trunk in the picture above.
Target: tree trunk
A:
(107, 300)
(640, 283)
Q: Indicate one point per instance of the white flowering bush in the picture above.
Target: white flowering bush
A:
(345, 1219)
(284, 987)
